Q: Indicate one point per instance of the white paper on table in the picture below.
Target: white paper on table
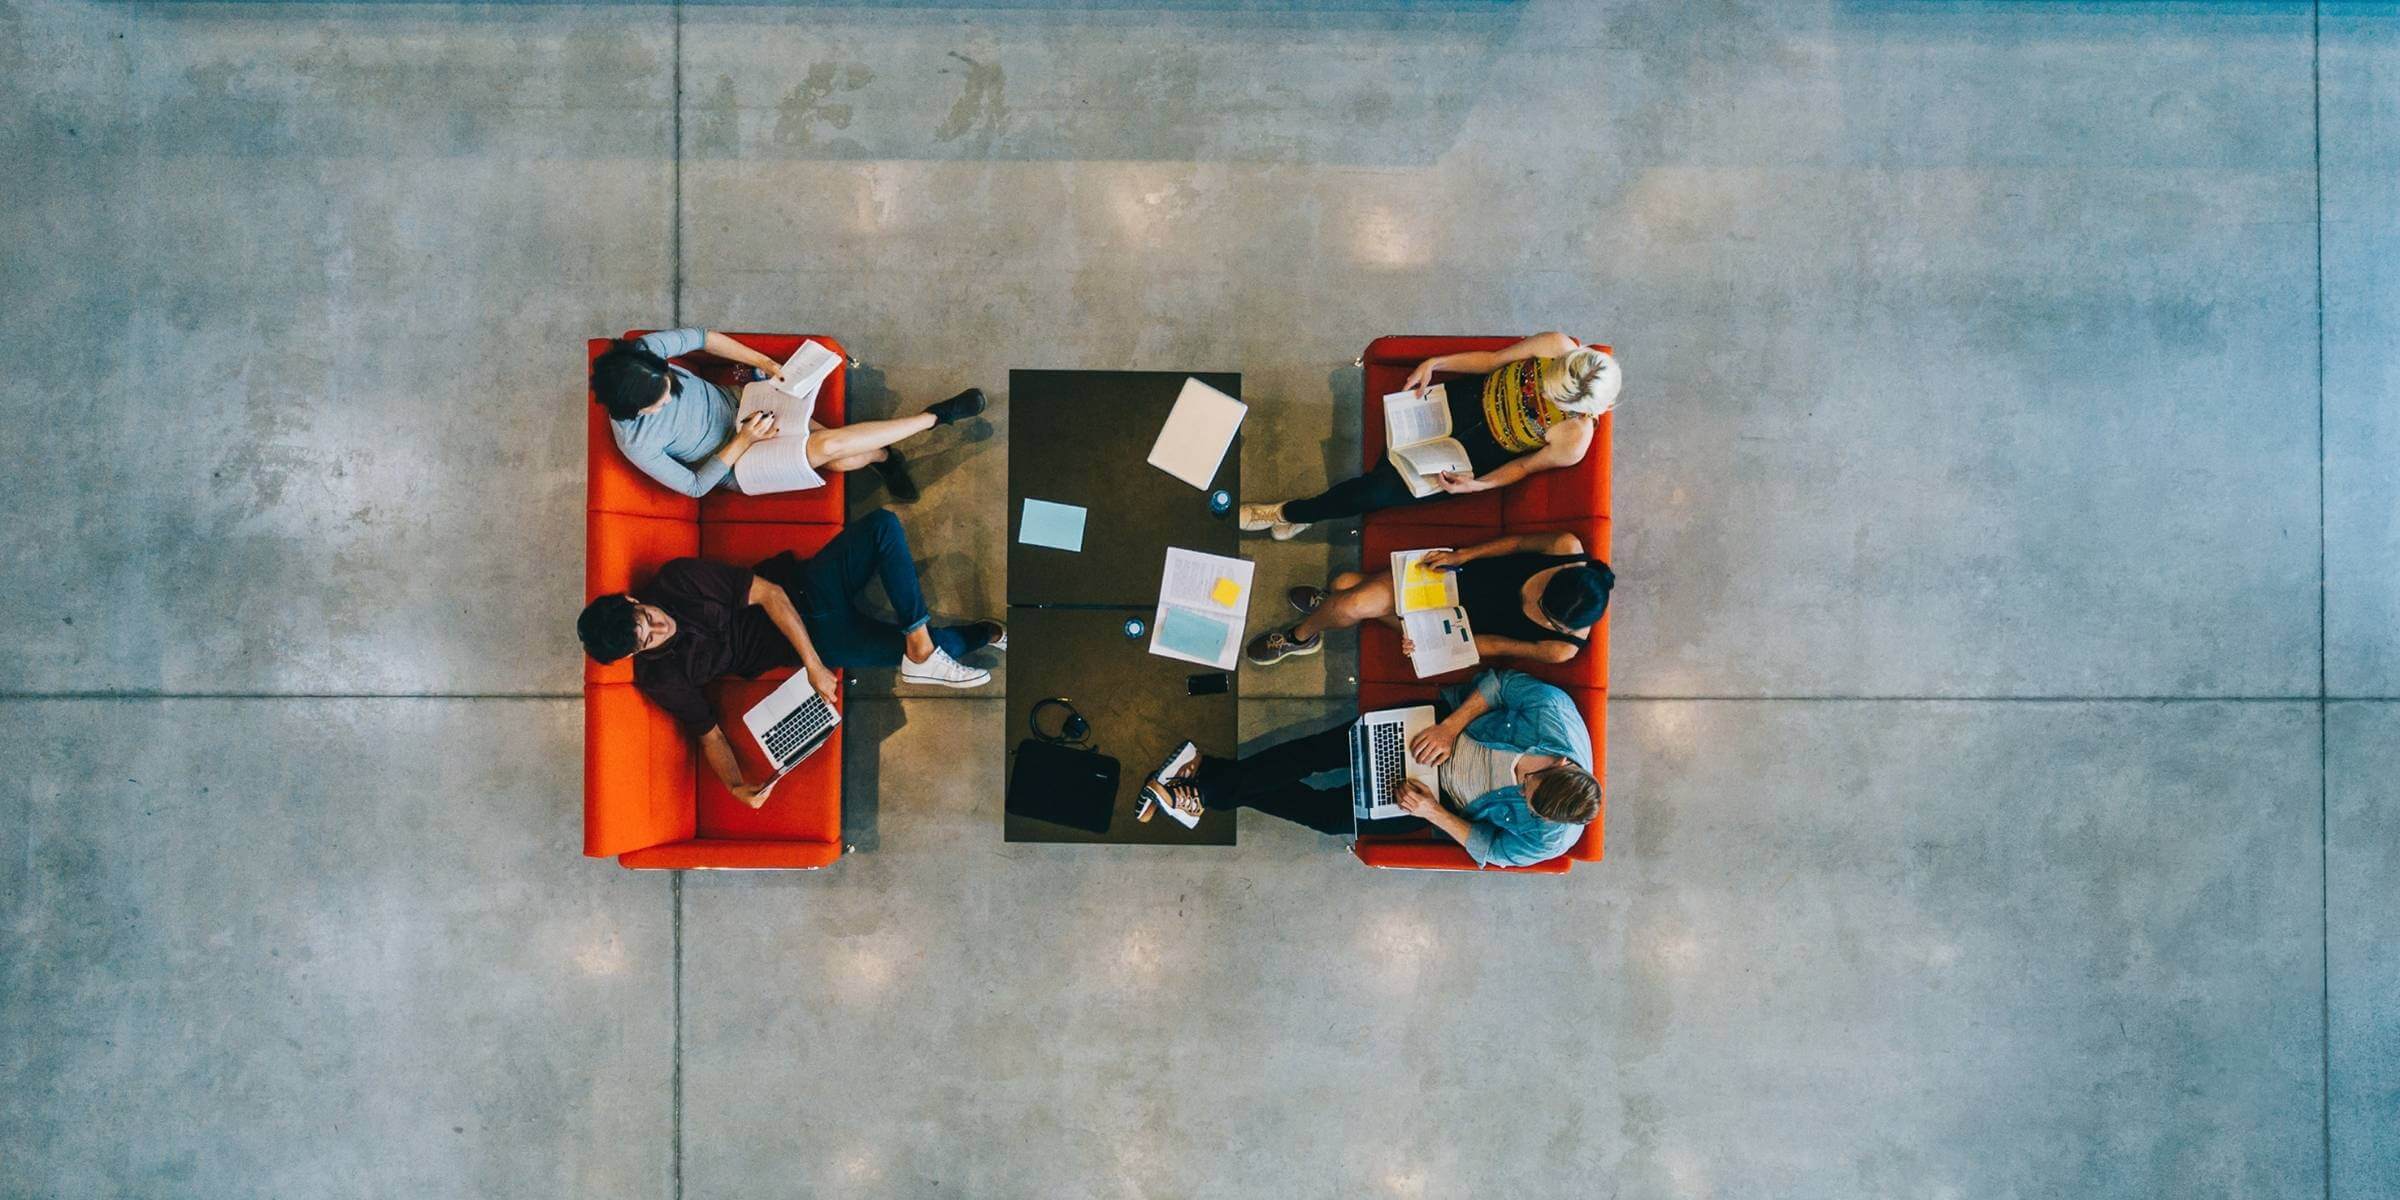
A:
(1192, 623)
(780, 463)
(1192, 444)
(1442, 639)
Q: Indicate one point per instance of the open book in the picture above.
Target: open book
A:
(1203, 601)
(1417, 428)
(780, 463)
(1430, 615)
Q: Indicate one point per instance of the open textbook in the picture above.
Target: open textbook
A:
(1417, 428)
(1203, 601)
(780, 463)
(1430, 615)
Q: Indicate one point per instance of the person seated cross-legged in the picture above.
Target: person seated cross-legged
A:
(1527, 595)
(682, 431)
(1513, 756)
(697, 621)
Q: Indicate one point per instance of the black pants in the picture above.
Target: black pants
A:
(1270, 781)
(1383, 488)
(1374, 491)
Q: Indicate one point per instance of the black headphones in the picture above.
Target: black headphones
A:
(1071, 731)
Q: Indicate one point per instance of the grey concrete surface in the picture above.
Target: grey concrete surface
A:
(323, 948)
(1839, 949)
(304, 292)
(2363, 957)
(1974, 353)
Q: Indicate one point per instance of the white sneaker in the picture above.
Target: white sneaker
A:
(942, 670)
(1269, 519)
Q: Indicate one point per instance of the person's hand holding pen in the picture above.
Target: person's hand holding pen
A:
(1443, 560)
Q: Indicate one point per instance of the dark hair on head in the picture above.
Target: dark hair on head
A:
(1567, 794)
(627, 379)
(1577, 596)
(606, 628)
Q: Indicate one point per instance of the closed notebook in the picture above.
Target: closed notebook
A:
(1192, 444)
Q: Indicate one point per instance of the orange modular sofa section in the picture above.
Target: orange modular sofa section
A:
(1573, 499)
(648, 798)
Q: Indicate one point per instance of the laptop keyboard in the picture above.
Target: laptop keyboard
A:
(1385, 747)
(799, 728)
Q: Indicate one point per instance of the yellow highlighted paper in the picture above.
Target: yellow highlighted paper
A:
(1226, 592)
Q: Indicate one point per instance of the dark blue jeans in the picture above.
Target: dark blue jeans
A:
(829, 582)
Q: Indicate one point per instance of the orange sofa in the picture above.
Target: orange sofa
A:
(648, 798)
(1573, 499)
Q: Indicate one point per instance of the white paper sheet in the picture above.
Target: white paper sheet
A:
(1193, 622)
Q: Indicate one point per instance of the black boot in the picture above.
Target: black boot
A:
(959, 407)
(894, 469)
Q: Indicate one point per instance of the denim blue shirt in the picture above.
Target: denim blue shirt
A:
(696, 422)
(1527, 717)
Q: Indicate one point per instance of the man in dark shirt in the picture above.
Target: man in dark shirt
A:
(697, 621)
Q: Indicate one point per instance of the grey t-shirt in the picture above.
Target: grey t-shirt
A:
(1475, 769)
(677, 445)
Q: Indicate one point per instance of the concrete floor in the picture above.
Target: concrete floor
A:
(2007, 662)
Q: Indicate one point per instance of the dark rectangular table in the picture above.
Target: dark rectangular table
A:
(1082, 438)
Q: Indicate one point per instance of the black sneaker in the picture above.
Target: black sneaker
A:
(1305, 599)
(1276, 645)
(959, 407)
(893, 467)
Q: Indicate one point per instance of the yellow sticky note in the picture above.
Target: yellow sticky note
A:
(1226, 592)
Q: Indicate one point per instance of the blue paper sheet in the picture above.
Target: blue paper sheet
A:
(1059, 526)
(1192, 634)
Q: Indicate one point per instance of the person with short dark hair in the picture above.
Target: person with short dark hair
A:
(696, 621)
(1527, 595)
(681, 430)
(1513, 756)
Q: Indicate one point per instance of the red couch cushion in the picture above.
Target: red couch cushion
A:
(637, 772)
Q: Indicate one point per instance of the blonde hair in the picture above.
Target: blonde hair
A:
(1593, 380)
(1567, 794)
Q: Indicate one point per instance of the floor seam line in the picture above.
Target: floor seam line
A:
(2316, 101)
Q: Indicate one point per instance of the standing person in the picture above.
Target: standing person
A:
(697, 621)
(680, 429)
(1513, 758)
(1527, 595)
(1523, 409)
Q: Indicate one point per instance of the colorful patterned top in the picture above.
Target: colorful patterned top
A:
(1517, 405)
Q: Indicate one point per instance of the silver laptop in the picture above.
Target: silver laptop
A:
(791, 723)
(1379, 760)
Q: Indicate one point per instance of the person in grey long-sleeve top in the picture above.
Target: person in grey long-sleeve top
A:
(681, 429)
